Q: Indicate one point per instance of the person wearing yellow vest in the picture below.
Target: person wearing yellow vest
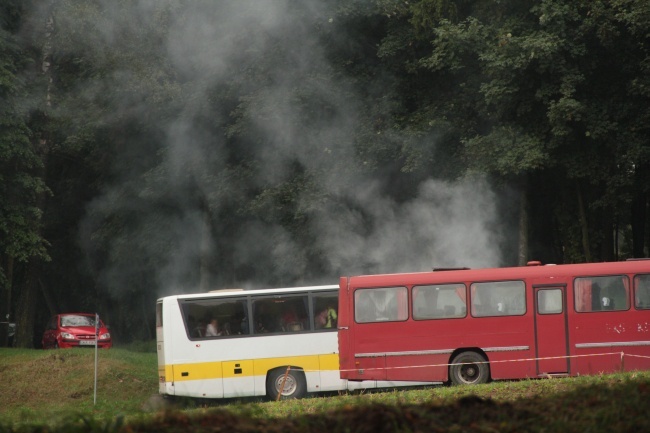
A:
(327, 318)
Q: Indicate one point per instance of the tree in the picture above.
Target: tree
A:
(547, 90)
(21, 185)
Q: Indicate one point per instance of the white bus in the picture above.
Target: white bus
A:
(265, 338)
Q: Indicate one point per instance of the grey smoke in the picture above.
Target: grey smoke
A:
(444, 224)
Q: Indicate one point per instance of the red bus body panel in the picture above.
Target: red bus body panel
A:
(524, 346)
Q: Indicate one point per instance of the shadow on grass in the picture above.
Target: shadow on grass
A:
(615, 404)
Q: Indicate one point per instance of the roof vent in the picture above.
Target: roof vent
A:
(449, 269)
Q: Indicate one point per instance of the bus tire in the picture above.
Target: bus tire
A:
(295, 384)
(469, 368)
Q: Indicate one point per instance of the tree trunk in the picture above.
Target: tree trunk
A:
(47, 296)
(607, 249)
(640, 212)
(5, 306)
(28, 297)
(25, 310)
(522, 256)
(583, 224)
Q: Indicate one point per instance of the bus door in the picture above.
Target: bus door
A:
(551, 338)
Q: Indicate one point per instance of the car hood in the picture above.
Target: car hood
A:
(83, 329)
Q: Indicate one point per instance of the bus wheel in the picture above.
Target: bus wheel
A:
(295, 385)
(469, 368)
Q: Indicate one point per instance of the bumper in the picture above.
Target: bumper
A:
(102, 344)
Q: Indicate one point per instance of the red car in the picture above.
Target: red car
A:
(75, 330)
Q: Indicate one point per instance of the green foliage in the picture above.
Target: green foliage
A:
(20, 185)
(428, 13)
(507, 151)
(548, 96)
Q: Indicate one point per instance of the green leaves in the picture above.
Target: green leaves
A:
(506, 151)
(20, 185)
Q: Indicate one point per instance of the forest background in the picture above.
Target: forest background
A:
(156, 147)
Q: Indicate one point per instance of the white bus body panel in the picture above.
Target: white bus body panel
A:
(207, 367)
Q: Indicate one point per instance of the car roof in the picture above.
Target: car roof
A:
(76, 314)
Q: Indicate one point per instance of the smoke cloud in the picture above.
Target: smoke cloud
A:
(205, 47)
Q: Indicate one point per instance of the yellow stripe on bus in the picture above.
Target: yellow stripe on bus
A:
(244, 368)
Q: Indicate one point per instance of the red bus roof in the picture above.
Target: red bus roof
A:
(509, 273)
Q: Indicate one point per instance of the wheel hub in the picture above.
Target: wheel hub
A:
(289, 385)
(469, 372)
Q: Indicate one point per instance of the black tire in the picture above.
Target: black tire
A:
(469, 368)
(295, 384)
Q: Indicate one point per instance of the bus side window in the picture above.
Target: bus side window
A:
(364, 308)
(602, 293)
(386, 304)
(293, 313)
(264, 320)
(443, 301)
(642, 291)
(499, 298)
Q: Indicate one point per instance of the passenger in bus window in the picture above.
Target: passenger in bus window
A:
(244, 325)
(290, 320)
(289, 317)
(237, 323)
(264, 321)
(327, 318)
(226, 330)
(212, 330)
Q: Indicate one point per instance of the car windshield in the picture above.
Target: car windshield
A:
(77, 321)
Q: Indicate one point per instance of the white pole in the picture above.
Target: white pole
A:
(96, 338)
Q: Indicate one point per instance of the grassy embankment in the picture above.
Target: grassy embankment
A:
(53, 391)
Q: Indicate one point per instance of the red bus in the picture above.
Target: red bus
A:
(468, 326)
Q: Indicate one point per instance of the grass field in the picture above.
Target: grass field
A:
(53, 391)
(49, 386)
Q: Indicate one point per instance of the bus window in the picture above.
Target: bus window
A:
(441, 301)
(388, 304)
(601, 293)
(549, 301)
(642, 291)
(159, 315)
(229, 314)
(498, 298)
(285, 313)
